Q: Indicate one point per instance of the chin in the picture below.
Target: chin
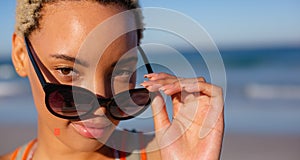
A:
(85, 142)
(89, 145)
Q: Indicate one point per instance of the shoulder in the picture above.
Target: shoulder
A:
(6, 156)
(154, 155)
(20, 151)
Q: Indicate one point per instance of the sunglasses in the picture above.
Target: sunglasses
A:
(75, 103)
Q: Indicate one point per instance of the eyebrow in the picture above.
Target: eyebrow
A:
(71, 59)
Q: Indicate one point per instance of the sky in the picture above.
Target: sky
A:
(230, 23)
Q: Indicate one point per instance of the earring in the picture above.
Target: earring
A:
(17, 69)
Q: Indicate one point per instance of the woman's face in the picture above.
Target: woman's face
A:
(63, 28)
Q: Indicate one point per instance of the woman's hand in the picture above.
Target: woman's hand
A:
(196, 131)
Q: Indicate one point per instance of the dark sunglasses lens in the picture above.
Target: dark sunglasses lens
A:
(71, 101)
(130, 103)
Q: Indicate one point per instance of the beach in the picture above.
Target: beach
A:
(261, 147)
(261, 106)
(235, 147)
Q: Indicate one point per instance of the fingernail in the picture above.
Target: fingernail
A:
(150, 75)
(146, 76)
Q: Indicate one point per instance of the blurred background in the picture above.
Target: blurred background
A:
(259, 42)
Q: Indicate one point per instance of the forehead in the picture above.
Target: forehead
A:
(65, 25)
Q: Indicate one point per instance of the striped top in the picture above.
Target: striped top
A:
(26, 152)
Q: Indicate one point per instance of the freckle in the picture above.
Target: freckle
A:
(56, 131)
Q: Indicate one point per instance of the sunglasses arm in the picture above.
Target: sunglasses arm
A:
(34, 63)
(145, 59)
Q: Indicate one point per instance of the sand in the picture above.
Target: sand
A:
(236, 146)
(261, 147)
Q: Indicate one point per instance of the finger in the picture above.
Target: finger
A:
(168, 89)
(155, 85)
(192, 85)
(151, 86)
(193, 80)
(171, 89)
(157, 76)
(160, 115)
(216, 101)
(213, 115)
(203, 87)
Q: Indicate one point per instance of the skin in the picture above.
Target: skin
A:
(193, 99)
(65, 37)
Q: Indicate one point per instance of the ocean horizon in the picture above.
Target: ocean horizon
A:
(263, 89)
(261, 106)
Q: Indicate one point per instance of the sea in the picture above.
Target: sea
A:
(262, 90)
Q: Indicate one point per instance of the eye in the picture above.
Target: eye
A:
(67, 72)
(122, 73)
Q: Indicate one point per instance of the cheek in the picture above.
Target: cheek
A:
(37, 92)
(45, 118)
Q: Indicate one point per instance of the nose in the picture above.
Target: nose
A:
(102, 106)
(100, 111)
(99, 86)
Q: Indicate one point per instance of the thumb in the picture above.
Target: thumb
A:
(160, 115)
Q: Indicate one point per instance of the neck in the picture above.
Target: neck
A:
(41, 153)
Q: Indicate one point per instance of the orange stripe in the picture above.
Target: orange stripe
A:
(143, 154)
(14, 155)
(143, 151)
(122, 155)
(27, 150)
(123, 141)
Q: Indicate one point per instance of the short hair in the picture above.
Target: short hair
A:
(28, 14)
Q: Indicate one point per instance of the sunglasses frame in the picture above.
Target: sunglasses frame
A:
(103, 102)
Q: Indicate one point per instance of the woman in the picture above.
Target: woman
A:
(48, 37)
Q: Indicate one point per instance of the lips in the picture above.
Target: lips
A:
(92, 128)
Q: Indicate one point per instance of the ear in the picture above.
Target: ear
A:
(19, 55)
